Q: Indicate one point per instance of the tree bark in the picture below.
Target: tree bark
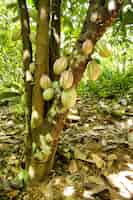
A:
(54, 45)
(36, 170)
(27, 59)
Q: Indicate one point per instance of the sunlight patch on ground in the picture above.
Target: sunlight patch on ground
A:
(123, 181)
(87, 194)
(69, 190)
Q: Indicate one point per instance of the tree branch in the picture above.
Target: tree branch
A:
(94, 30)
(91, 31)
(54, 44)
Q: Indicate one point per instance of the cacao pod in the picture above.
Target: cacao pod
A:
(55, 84)
(94, 70)
(87, 47)
(45, 82)
(28, 76)
(35, 119)
(104, 50)
(32, 67)
(48, 94)
(66, 79)
(68, 97)
(60, 65)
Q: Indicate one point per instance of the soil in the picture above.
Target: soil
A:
(94, 159)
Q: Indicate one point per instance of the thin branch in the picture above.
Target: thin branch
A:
(54, 53)
(94, 30)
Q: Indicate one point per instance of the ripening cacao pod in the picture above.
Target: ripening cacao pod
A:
(66, 79)
(87, 47)
(32, 67)
(60, 65)
(94, 71)
(68, 98)
(35, 119)
(104, 50)
(48, 94)
(45, 82)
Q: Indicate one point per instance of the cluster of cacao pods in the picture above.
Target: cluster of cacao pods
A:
(65, 84)
(68, 95)
(46, 85)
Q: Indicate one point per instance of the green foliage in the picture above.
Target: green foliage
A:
(72, 16)
(111, 84)
(11, 74)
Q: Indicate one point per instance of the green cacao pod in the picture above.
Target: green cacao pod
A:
(66, 79)
(60, 65)
(45, 82)
(87, 47)
(32, 67)
(68, 97)
(48, 94)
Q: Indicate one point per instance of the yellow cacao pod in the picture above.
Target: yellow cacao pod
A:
(48, 94)
(87, 47)
(60, 65)
(68, 98)
(104, 50)
(45, 82)
(35, 119)
(94, 71)
(66, 79)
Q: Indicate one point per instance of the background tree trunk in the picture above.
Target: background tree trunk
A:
(27, 59)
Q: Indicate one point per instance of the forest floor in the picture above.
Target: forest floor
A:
(94, 160)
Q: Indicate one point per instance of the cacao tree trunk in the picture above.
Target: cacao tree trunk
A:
(36, 167)
(45, 132)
